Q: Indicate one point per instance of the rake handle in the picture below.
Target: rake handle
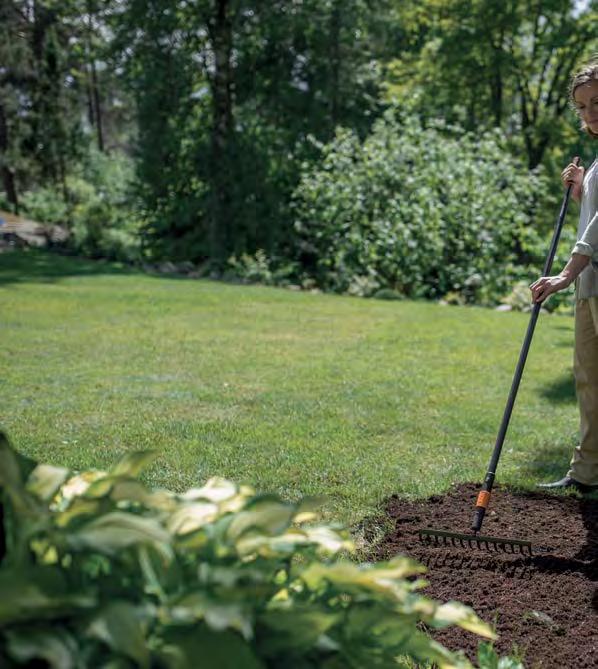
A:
(484, 496)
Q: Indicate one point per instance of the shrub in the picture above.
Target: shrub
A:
(423, 211)
(101, 571)
(260, 268)
(100, 213)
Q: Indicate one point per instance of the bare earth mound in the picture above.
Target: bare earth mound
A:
(545, 605)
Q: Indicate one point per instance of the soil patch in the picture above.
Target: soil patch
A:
(546, 605)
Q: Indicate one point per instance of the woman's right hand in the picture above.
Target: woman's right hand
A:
(573, 175)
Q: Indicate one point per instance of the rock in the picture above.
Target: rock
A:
(185, 267)
(167, 268)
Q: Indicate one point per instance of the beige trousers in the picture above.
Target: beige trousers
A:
(584, 464)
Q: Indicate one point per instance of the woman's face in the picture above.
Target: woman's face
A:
(586, 102)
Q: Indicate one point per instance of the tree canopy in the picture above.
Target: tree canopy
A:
(220, 105)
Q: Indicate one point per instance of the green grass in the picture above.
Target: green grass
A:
(292, 392)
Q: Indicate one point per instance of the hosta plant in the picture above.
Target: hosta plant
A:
(100, 571)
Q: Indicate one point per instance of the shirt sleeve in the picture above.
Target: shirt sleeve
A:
(588, 244)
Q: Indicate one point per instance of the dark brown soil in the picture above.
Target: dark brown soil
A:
(546, 606)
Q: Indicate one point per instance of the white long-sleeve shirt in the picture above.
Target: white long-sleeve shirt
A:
(586, 284)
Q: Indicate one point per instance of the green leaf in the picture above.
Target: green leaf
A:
(217, 650)
(38, 593)
(421, 647)
(45, 480)
(117, 625)
(117, 530)
(294, 630)
(14, 468)
(52, 644)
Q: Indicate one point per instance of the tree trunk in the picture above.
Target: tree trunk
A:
(93, 93)
(222, 131)
(335, 62)
(8, 177)
(97, 105)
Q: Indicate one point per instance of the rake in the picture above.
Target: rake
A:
(474, 539)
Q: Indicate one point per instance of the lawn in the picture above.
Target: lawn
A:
(292, 392)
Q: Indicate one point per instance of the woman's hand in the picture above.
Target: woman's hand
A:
(547, 285)
(573, 175)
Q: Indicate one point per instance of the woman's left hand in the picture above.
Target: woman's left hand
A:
(547, 285)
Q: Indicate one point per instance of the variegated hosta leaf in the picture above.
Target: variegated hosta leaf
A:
(296, 628)
(325, 540)
(45, 480)
(382, 578)
(216, 490)
(219, 615)
(117, 624)
(235, 576)
(126, 489)
(190, 517)
(118, 530)
(133, 463)
(78, 484)
(266, 514)
(455, 613)
(328, 540)
(79, 507)
(38, 593)
(51, 644)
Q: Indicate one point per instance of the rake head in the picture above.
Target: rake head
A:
(475, 541)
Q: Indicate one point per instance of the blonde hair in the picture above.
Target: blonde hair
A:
(589, 72)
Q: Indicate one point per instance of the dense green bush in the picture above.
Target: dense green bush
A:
(423, 211)
(100, 208)
(101, 571)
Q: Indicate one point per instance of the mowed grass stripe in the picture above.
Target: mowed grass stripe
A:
(293, 392)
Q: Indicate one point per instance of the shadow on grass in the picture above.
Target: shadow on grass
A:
(561, 390)
(549, 463)
(33, 265)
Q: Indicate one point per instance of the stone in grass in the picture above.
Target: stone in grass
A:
(167, 268)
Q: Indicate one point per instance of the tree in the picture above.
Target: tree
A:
(497, 63)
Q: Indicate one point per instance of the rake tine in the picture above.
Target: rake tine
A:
(473, 541)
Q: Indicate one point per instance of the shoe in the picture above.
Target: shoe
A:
(568, 482)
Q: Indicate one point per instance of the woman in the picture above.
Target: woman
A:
(583, 269)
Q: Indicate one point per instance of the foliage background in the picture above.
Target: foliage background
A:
(189, 130)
